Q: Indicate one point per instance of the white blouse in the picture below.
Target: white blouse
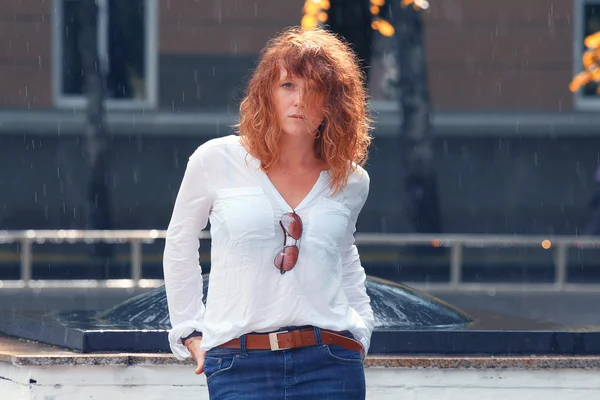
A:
(247, 293)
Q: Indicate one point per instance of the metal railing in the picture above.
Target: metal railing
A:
(455, 242)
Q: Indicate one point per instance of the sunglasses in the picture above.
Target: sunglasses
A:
(286, 259)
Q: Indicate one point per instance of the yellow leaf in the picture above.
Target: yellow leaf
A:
(417, 4)
(311, 8)
(588, 59)
(579, 80)
(309, 22)
(592, 41)
(322, 17)
(385, 28)
(378, 3)
(374, 10)
(591, 63)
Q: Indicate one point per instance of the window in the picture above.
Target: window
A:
(127, 43)
(587, 22)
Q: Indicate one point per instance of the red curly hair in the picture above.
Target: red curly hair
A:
(331, 69)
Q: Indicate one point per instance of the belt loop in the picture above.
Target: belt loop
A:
(243, 348)
(318, 336)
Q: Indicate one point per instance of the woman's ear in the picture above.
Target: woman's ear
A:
(320, 129)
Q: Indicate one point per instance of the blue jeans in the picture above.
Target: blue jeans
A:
(318, 372)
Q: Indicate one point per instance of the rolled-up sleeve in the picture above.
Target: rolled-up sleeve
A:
(353, 273)
(181, 266)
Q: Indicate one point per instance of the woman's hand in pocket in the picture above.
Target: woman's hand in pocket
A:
(193, 346)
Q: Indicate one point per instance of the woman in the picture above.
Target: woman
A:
(287, 314)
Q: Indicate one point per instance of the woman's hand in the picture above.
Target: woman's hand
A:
(193, 346)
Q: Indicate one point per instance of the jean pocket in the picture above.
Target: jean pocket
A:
(343, 355)
(217, 364)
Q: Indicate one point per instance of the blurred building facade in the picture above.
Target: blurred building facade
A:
(516, 152)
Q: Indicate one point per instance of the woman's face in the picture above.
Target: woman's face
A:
(295, 117)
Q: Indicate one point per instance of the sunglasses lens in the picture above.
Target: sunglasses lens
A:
(287, 258)
(292, 224)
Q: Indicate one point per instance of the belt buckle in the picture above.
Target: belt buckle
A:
(274, 341)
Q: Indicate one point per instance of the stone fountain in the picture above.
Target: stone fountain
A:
(407, 321)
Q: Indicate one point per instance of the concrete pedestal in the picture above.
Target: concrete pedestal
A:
(30, 371)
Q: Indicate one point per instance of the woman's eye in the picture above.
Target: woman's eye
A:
(287, 85)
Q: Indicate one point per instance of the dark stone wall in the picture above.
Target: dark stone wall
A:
(207, 82)
(528, 185)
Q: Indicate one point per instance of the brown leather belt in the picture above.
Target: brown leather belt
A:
(291, 340)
